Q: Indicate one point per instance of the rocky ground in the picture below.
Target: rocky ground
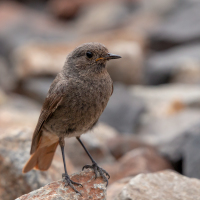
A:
(148, 137)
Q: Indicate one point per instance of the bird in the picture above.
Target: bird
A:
(76, 99)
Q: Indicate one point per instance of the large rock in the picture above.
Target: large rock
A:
(92, 189)
(14, 152)
(160, 186)
(122, 112)
(136, 161)
(177, 64)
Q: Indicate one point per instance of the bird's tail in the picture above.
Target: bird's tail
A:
(41, 159)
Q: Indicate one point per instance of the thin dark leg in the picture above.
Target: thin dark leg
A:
(94, 165)
(93, 161)
(66, 177)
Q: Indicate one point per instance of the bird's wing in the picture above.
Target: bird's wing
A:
(53, 100)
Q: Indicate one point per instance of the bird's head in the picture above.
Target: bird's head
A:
(90, 58)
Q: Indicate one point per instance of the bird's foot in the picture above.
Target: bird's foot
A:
(103, 173)
(71, 183)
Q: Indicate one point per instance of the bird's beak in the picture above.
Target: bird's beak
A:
(111, 56)
(108, 57)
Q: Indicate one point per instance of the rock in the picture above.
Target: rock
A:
(36, 88)
(115, 13)
(136, 161)
(18, 113)
(169, 66)
(160, 186)
(122, 144)
(66, 9)
(21, 25)
(182, 151)
(40, 59)
(128, 69)
(178, 27)
(96, 143)
(7, 77)
(167, 106)
(122, 112)
(14, 152)
(92, 189)
(115, 188)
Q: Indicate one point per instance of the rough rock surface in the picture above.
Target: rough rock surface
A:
(92, 189)
(161, 186)
(14, 152)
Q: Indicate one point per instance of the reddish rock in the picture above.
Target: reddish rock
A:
(140, 160)
(92, 189)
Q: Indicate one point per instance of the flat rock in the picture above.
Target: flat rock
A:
(92, 189)
(161, 186)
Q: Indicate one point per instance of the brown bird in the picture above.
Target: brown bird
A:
(74, 103)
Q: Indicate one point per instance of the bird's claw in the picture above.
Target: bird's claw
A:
(69, 182)
(103, 173)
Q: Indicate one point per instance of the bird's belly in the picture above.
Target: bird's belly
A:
(74, 119)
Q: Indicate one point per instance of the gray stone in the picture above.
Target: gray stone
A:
(160, 186)
(170, 111)
(122, 112)
(165, 66)
(183, 150)
(180, 26)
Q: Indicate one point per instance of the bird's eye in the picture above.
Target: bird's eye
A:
(89, 54)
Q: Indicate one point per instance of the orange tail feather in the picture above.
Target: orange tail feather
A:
(41, 159)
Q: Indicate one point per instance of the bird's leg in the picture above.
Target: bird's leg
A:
(94, 165)
(65, 176)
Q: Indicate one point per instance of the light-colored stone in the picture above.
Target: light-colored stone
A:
(164, 185)
(92, 189)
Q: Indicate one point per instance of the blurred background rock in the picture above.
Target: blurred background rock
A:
(152, 120)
